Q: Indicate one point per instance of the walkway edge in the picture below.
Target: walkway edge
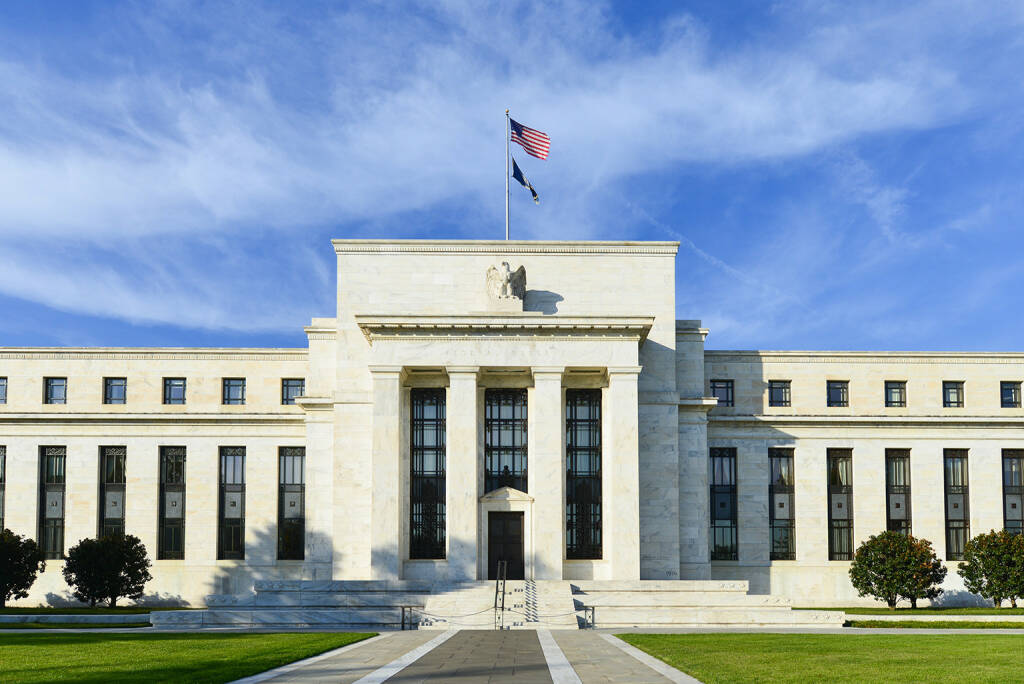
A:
(284, 669)
(558, 665)
(650, 661)
(388, 671)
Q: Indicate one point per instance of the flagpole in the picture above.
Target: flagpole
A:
(508, 215)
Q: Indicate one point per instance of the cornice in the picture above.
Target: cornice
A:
(863, 357)
(502, 327)
(152, 418)
(151, 354)
(498, 247)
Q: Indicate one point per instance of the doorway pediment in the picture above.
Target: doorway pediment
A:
(506, 494)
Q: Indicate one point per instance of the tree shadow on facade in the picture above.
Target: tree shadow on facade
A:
(261, 562)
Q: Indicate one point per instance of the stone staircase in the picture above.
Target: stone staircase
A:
(541, 604)
(689, 603)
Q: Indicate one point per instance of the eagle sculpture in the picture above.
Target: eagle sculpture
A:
(504, 283)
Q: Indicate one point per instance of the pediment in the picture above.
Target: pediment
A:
(506, 494)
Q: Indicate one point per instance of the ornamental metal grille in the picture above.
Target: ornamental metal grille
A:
(1013, 490)
(505, 439)
(958, 514)
(427, 474)
(291, 503)
(897, 491)
(840, 504)
(51, 500)
(115, 390)
(171, 537)
(583, 476)
(112, 490)
(724, 544)
(781, 505)
(231, 521)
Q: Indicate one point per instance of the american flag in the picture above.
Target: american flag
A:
(534, 142)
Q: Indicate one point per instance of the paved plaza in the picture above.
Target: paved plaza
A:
(478, 657)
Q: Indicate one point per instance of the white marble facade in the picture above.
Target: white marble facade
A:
(425, 313)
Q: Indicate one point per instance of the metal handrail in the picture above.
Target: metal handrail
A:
(499, 589)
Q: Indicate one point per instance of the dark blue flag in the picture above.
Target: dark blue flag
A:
(518, 175)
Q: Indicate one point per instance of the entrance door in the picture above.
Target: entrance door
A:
(505, 542)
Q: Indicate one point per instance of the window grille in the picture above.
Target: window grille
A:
(231, 521)
(291, 389)
(174, 390)
(583, 503)
(779, 393)
(895, 393)
(52, 477)
(723, 391)
(1013, 490)
(115, 390)
(838, 392)
(782, 516)
(897, 491)
(112, 490)
(171, 533)
(427, 493)
(958, 514)
(724, 544)
(291, 503)
(840, 504)
(505, 439)
(234, 391)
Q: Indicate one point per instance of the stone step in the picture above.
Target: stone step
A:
(687, 617)
(667, 598)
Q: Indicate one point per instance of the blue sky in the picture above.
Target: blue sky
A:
(840, 175)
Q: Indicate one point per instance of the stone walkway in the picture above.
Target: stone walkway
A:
(478, 657)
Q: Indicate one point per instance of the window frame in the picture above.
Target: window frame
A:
(785, 386)
(724, 528)
(725, 384)
(894, 490)
(428, 487)
(1014, 387)
(3, 482)
(228, 387)
(839, 527)
(108, 383)
(958, 386)
(169, 386)
(113, 485)
(171, 530)
(786, 550)
(963, 490)
(291, 531)
(1013, 492)
(3, 389)
(843, 386)
(49, 384)
(901, 388)
(230, 530)
(517, 452)
(51, 536)
(584, 505)
(288, 399)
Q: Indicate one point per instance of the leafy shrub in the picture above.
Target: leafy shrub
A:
(891, 566)
(20, 562)
(993, 566)
(107, 568)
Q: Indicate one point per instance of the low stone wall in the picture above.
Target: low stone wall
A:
(83, 618)
(904, 616)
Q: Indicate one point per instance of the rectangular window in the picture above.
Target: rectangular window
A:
(897, 490)
(780, 504)
(778, 393)
(723, 504)
(722, 390)
(953, 393)
(171, 541)
(231, 521)
(234, 391)
(51, 501)
(505, 439)
(115, 390)
(958, 515)
(1009, 394)
(840, 504)
(3, 481)
(583, 473)
(291, 503)
(3, 390)
(838, 392)
(895, 393)
(1013, 490)
(55, 390)
(112, 490)
(174, 390)
(291, 389)
(427, 475)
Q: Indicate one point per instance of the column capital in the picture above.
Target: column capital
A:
(383, 370)
(463, 370)
(624, 370)
(548, 372)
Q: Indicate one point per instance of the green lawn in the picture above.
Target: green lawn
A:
(103, 658)
(845, 658)
(936, 624)
(882, 610)
(69, 625)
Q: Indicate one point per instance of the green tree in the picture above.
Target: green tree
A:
(892, 565)
(107, 568)
(992, 566)
(20, 562)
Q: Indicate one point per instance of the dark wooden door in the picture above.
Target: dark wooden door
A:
(505, 542)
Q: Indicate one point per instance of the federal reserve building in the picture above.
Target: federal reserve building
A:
(529, 409)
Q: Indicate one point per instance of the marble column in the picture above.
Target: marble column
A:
(621, 480)
(462, 468)
(385, 523)
(546, 468)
